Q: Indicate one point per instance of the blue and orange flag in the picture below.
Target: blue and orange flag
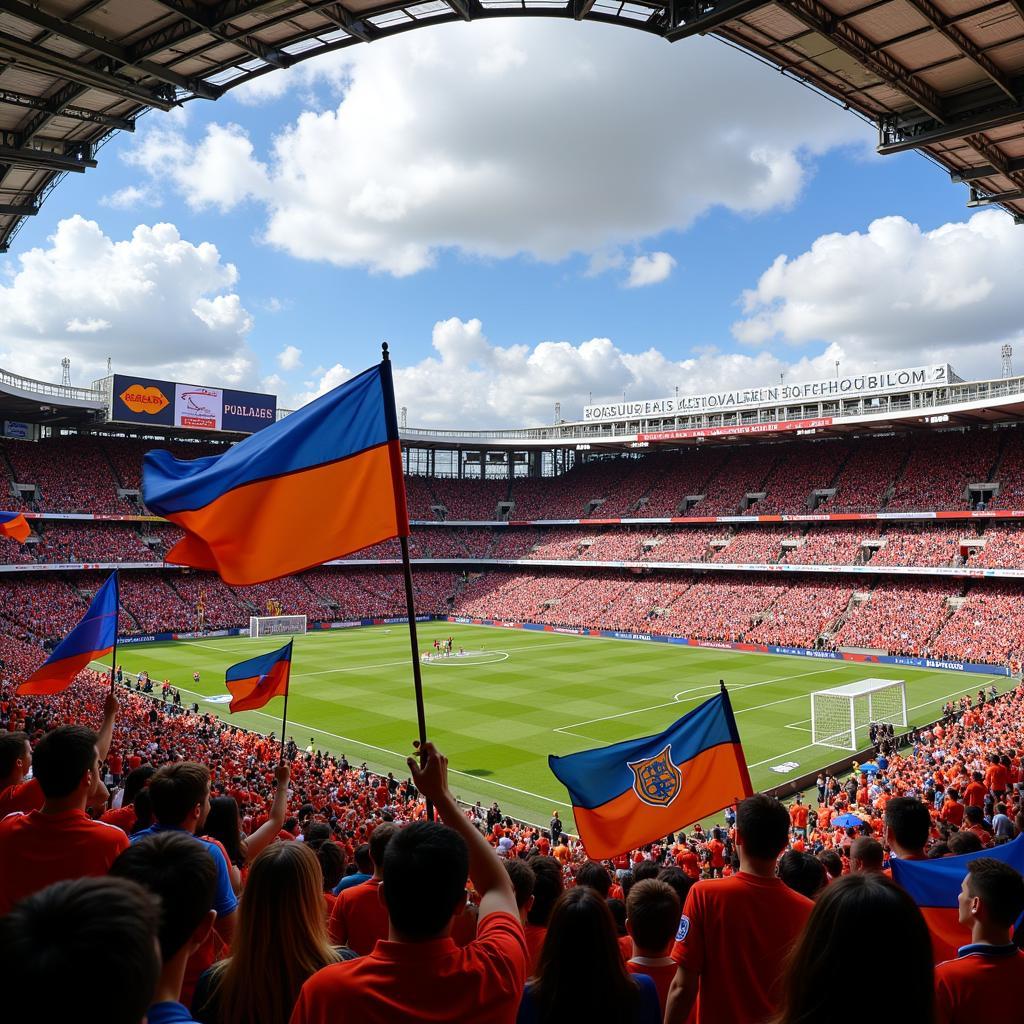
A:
(934, 885)
(254, 682)
(91, 639)
(635, 792)
(338, 456)
(15, 526)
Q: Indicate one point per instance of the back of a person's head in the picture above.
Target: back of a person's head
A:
(802, 872)
(224, 823)
(12, 750)
(867, 853)
(547, 887)
(999, 887)
(646, 869)
(182, 874)
(316, 833)
(362, 858)
(581, 974)
(426, 867)
(975, 815)
(137, 780)
(762, 824)
(332, 863)
(851, 914)
(380, 837)
(831, 862)
(55, 944)
(908, 822)
(964, 842)
(61, 759)
(594, 875)
(652, 914)
(523, 879)
(679, 880)
(175, 789)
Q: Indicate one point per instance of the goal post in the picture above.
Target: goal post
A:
(839, 714)
(276, 625)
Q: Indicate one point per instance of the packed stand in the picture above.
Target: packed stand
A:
(988, 627)
(744, 473)
(91, 542)
(797, 474)
(801, 615)
(867, 475)
(688, 474)
(220, 608)
(939, 469)
(470, 499)
(761, 545)
(920, 545)
(153, 604)
(830, 545)
(899, 617)
(1004, 547)
(1010, 473)
(721, 610)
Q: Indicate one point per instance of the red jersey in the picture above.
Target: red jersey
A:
(432, 981)
(359, 918)
(975, 793)
(22, 798)
(535, 935)
(952, 812)
(661, 972)
(122, 817)
(977, 984)
(716, 848)
(739, 927)
(689, 862)
(995, 777)
(39, 849)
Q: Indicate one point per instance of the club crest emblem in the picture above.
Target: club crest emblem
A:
(656, 780)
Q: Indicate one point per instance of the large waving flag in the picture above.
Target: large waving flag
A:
(92, 638)
(254, 682)
(15, 526)
(638, 791)
(934, 885)
(337, 459)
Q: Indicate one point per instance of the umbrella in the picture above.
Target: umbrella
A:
(870, 768)
(847, 821)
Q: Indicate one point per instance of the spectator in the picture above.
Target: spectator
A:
(359, 918)
(850, 915)
(652, 919)
(907, 824)
(802, 872)
(866, 855)
(60, 841)
(547, 887)
(594, 875)
(581, 972)
(739, 927)
(184, 877)
(523, 881)
(280, 942)
(990, 969)
(56, 943)
(363, 870)
(420, 972)
(15, 762)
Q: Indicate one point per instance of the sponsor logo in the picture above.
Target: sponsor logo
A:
(219, 698)
(144, 399)
(656, 780)
(786, 767)
(684, 928)
(250, 411)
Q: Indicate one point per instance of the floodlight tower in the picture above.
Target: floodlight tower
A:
(1007, 360)
(66, 375)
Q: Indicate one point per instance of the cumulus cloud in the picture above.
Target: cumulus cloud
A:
(896, 294)
(289, 358)
(129, 197)
(499, 139)
(154, 303)
(650, 268)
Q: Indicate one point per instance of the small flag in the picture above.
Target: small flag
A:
(91, 639)
(339, 455)
(15, 526)
(254, 682)
(638, 791)
(934, 885)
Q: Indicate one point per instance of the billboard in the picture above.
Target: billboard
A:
(151, 402)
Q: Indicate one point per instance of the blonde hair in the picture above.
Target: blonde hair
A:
(281, 938)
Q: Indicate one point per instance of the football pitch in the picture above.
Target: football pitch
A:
(517, 696)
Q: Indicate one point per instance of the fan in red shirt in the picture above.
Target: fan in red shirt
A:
(359, 919)
(987, 977)
(547, 887)
(652, 920)
(740, 927)
(716, 854)
(60, 841)
(16, 795)
(419, 973)
(952, 812)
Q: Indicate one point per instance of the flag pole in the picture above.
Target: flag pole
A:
(410, 607)
(284, 713)
(117, 616)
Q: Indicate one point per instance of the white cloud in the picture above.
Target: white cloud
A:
(129, 197)
(154, 303)
(896, 294)
(328, 380)
(289, 358)
(275, 305)
(650, 268)
(499, 139)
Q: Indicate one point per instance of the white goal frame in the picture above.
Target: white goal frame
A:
(837, 714)
(276, 625)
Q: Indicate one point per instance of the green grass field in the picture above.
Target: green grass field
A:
(519, 696)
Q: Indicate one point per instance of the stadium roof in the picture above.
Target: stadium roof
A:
(942, 76)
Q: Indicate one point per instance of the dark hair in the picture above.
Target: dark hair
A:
(680, 881)
(999, 886)
(594, 875)
(831, 862)
(176, 788)
(908, 822)
(332, 863)
(58, 941)
(426, 866)
(12, 748)
(547, 887)
(646, 869)
(380, 837)
(617, 908)
(362, 858)
(652, 913)
(62, 757)
(523, 879)
(975, 815)
(964, 842)
(802, 872)
(315, 834)
(224, 824)
(763, 825)
(850, 914)
(136, 782)
(581, 974)
(868, 851)
(182, 873)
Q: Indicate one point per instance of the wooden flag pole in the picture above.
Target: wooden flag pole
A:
(284, 713)
(117, 616)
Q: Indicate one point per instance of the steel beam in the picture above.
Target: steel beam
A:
(18, 99)
(11, 209)
(581, 8)
(984, 171)
(978, 199)
(22, 156)
(700, 17)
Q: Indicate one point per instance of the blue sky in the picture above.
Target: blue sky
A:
(522, 202)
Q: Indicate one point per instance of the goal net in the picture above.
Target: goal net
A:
(839, 714)
(276, 625)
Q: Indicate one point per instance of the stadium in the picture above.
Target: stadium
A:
(835, 563)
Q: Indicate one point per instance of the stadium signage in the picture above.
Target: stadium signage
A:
(856, 385)
(739, 429)
(189, 406)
